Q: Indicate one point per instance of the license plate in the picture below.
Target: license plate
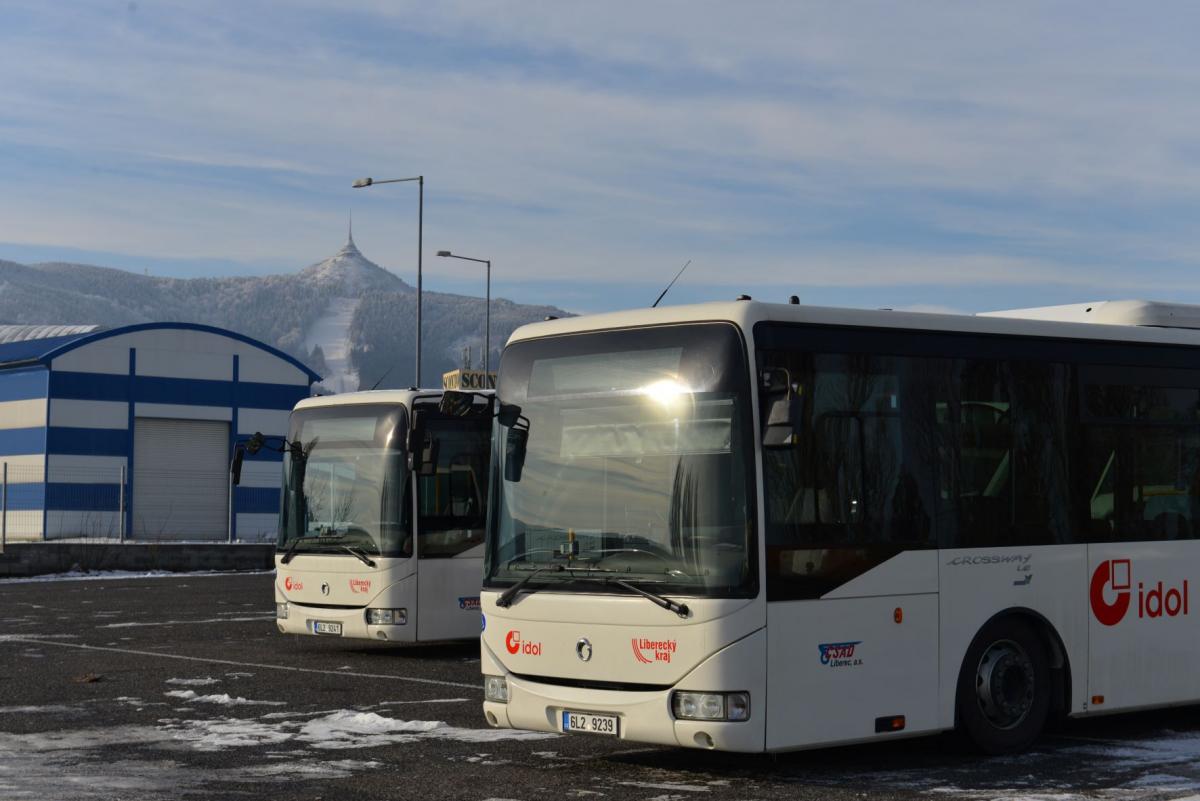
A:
(326, 627)
(587, 722)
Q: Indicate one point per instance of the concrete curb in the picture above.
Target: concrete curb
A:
(21, 559)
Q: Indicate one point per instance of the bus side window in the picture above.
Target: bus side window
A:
(1002, 445)
(1140, 456)
(1144, 482)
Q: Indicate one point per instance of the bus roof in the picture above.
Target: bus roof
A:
(1113, 312)
(400, 397)
(1123, 321)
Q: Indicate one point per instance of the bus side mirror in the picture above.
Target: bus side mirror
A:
(514, 453)
(784, 409)
(509, 414)
(235, 468)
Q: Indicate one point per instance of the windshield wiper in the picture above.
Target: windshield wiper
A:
(368, 561)
(506, 598)
(291, 551)
(666, 603)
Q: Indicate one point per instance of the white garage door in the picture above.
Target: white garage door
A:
(180, 479)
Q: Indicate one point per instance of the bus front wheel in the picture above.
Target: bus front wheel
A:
(1004, 687)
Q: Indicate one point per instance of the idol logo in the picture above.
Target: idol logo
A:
(515, 644)
(1114, 573)
(289, 584)
(1117, 575)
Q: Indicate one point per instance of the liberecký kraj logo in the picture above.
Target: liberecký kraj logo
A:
(470, 603)
(839, 654)
(1111, 594)
(647, 651)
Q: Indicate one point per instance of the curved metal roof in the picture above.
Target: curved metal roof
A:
(25, 333)
(25, 352)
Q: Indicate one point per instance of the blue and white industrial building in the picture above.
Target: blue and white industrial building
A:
(157, 406)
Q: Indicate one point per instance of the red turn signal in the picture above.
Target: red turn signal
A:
(891, 723)
(898, 615)
(1097, 700)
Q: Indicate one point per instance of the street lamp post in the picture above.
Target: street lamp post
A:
(487, 315)
(362, 183)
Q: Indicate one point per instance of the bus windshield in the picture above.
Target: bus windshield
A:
(344, 474)
(626, 455)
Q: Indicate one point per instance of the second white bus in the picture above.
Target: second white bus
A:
(757, 527)
(382, 521)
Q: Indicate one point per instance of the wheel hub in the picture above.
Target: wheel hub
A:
(1005, 684)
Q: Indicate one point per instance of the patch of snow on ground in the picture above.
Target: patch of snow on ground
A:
(204, 682)
(292, 771)
(350, 729)
(224, 699)
(48, 709)
(69, 764)
(677, 786)
(222, 733)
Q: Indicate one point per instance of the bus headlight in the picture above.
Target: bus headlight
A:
(495, 688)
(710, 706)
(387, 617)
(281, 610)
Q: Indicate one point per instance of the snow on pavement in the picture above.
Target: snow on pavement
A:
(224, 699)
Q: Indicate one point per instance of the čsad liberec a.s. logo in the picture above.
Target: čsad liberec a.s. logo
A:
(839, 654)
(1111, 594)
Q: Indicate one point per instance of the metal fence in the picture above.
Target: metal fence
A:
(74, 503)
(70, 503)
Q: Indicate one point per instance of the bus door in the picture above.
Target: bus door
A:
(852, 572)
(1143, 560)
(451, 510)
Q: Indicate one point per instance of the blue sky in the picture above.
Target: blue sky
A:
(931, 155)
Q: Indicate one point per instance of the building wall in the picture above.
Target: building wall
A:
(98, 390)
(23, 393)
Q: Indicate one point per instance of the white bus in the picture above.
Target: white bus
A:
(382, 522)
(758, 527)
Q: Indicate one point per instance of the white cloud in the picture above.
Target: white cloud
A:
(774, 139)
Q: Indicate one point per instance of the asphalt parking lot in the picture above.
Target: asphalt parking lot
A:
(180, 687)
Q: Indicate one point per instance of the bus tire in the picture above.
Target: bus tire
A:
(1004, 687)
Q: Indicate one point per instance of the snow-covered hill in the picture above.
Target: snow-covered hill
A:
(348, 273)
(346, 316)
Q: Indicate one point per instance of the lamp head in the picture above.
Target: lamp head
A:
(445, 253)
(361, 182)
